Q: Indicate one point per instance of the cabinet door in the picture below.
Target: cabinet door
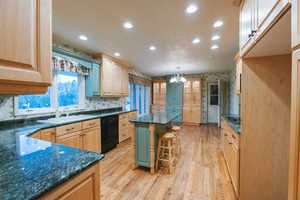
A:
(36, 135)
(106, 76)
(25, 50)
(295, 23)
(96, 79)
(117, 79)
(264, 8)
(72, 140)
(91, 139)
(48, 135)
(239, 66)
(142, 138)
(235, 167)
(84, 190)
(125, 81)
(246, 21)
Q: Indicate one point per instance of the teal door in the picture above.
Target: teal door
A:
(142, 152)
(175, 98)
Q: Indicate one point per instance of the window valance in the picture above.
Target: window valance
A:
(139, 80)
(65, 65)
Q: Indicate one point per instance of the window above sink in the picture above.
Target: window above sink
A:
(66, 94)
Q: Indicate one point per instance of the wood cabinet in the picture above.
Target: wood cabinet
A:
(126, 128)
(256, 18)
(48, 134)
(25, 50)
(92, 86)
(83, 135)
(294, 165)
(246, 21)
(238, 75)
(295, 23)
(114, 76)
(192, 100)
(85, 185)
(230, 145)
(36, 135)
(91, 139)
(159, 92)
(71, 140)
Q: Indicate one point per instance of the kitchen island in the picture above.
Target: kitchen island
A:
(145, 137)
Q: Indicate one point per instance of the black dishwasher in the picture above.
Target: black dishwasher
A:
(109, 133)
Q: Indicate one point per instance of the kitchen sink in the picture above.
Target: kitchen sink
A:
(66, 119)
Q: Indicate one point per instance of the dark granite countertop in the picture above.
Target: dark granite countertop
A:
(30, 167)
(234, 122)
(157, 117)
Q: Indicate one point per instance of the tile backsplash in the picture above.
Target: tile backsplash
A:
(95, 103)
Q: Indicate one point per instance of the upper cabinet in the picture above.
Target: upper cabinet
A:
(238, 74)
(295, 24)
(25, 50)
(256, 18)
(159, 92)
(114, 76)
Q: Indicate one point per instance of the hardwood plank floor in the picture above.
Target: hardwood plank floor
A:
(200, 173)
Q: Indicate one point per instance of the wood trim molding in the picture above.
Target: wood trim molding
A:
(139, 80)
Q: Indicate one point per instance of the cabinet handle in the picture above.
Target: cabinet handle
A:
(233, 137)
(225, 134)
(82, 134)
(230, 143)
(69, 129)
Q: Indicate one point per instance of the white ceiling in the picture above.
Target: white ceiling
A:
(162, 23)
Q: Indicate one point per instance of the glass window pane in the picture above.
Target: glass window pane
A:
(214, 100)
(35, 101)
(67, 88)
(214, 90)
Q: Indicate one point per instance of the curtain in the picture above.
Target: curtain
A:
(64, 65)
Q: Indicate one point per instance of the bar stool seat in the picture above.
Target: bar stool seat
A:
(166, 151)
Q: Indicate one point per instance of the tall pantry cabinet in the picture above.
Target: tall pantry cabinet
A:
(192, 100)
(25, 50)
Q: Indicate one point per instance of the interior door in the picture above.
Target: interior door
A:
(213, 103)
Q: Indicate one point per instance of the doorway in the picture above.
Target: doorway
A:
(213, 103)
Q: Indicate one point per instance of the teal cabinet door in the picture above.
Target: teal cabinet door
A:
(175, 99)
(93, 81)
(142, 138)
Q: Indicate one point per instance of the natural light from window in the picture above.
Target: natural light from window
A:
(67, 88)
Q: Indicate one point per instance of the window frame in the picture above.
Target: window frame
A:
(54, 100)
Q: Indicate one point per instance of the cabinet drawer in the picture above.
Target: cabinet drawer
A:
(132, 115)
(91, 124)
(70, 128)
(123, 116)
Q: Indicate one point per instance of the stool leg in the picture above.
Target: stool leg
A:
(170, 156)
(158, 154)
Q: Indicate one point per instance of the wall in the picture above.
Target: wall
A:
(234, 99)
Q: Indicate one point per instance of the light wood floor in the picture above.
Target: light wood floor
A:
(200, 174)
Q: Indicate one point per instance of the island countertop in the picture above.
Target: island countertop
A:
(31, 167)
(157, 118)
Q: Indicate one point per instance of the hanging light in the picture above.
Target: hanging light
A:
(177, 78)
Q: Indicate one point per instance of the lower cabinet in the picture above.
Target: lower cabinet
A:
(91, 139)
(72, 140)
(85, 185)
(84, 135)
(230, 145)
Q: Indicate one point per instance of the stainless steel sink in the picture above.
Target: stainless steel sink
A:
(67, 119)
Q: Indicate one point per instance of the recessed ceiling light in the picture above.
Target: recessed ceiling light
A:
(152, 48)
(196, 41)
(82, 37)
(218, 23)
(215, 37)
(128, 25)
(117, 54)
(191, 9)
(214, 47)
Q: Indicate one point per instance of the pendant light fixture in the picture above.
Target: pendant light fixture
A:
(177, 78)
